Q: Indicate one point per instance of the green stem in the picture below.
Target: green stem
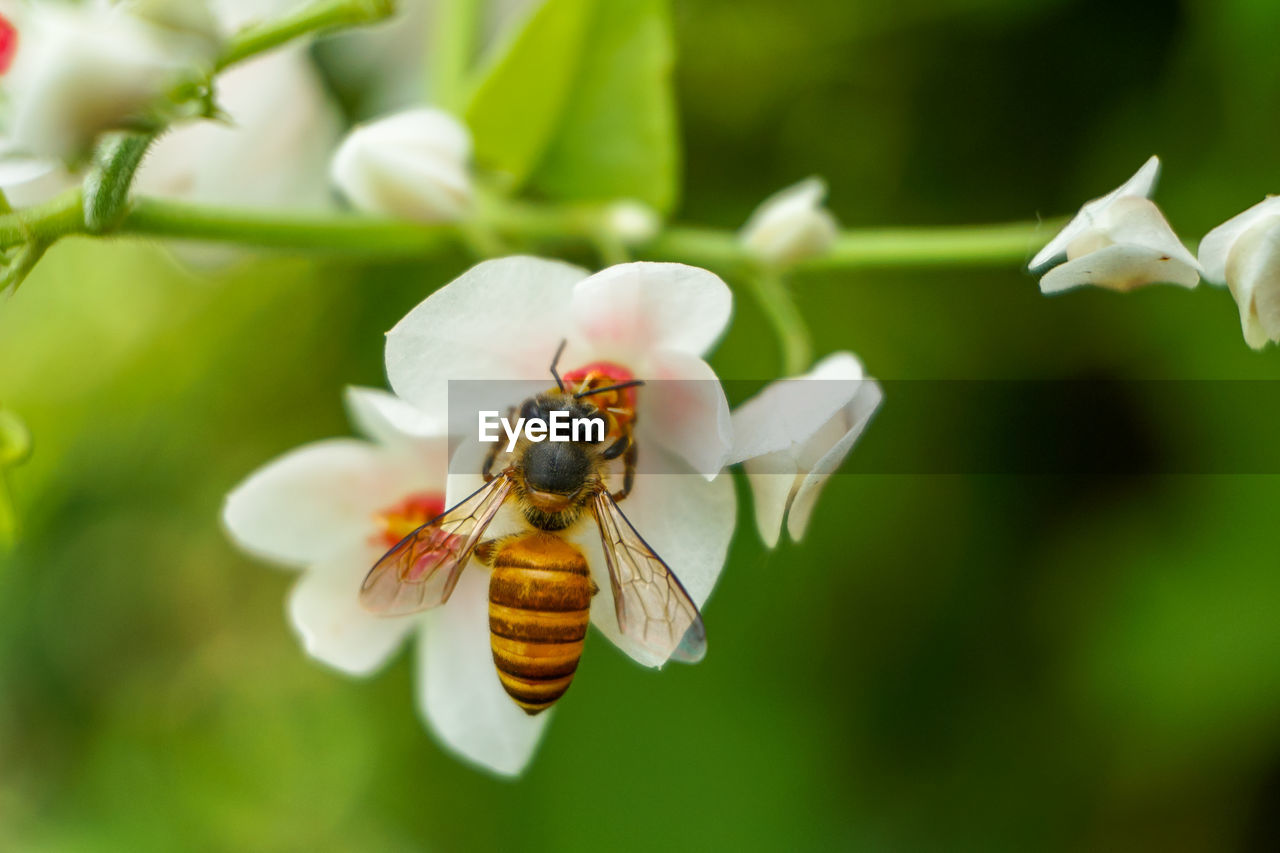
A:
(45, 223)
(311, 18)
(453, 44)
(771, 292)
(21, 265)
(323, 232)
(974, 245)
(534, 226)
(106, 187)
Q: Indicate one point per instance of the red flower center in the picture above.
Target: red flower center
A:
(601, 374)
(8, 43)
(399, 520)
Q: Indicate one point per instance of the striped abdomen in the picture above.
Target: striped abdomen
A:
(539, 607)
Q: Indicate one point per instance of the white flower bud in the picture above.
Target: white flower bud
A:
(1244, 254)
(791, 225)
(79, 71)
(632, 222)
(793, 435)
(1119, 241)
(411, 165)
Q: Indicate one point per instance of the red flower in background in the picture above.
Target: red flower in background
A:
(8, 43)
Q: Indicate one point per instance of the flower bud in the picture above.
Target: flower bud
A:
(634, 223)
(791, 225)
(793, 435)
(1119, 241)
(1244, 254)
(411, 165)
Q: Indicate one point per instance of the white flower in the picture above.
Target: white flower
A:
(1244, 254)
(332, 508)
(504, 319)
(82, 70)
(1119, 241)
(411, 165)
(791, 225)
(794, 434)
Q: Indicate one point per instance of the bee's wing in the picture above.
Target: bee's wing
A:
(653, 608)
(422, 570)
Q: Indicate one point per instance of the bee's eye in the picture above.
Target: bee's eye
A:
(529, 409)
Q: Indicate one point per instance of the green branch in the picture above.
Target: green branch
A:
(313, 18)
(545, 226)
(155, 217)
(788, 323)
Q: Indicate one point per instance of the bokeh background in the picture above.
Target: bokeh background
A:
(950, 661)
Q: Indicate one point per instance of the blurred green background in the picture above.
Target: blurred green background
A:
(948, 662)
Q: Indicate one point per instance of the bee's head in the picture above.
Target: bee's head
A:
(558, 474)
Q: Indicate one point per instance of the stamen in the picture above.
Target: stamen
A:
(399, 520)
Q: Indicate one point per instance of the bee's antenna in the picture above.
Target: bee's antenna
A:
(556, 360)
(632, 384)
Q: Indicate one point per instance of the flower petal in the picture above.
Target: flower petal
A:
(458, 688)
(790, 411)
(1253, 275)
(1121, 267)
(310, 502)
(390, 421)
(325, 610)
(772, 477)
(26, 180)
(631, 309)
(686, 411)
(1138, 222)
(502, 319)
(687, 520)
(1266, 292)
(1217, 244)
(856, 416)
(1141, 184)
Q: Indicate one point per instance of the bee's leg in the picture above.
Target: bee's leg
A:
(628, 471)
(492, 455)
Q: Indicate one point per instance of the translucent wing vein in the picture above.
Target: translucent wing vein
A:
(421, 571)
(652, 606)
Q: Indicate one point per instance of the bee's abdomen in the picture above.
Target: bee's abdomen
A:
(539, 608)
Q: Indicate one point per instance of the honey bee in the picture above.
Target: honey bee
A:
(540, 586)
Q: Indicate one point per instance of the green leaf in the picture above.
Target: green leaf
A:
(516, 107)
(617, 137)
